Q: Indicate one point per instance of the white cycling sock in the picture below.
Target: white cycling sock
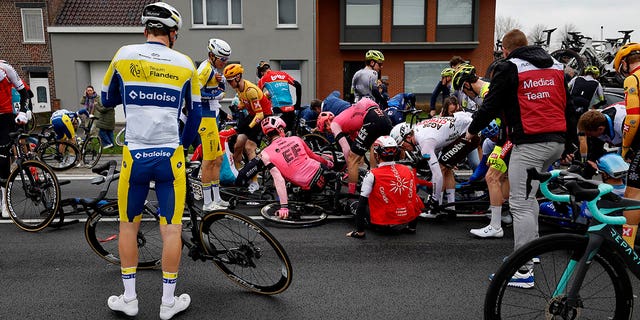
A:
(169, 280)
(129, 282)
(206, 192)
(215, 187)
(451, 196)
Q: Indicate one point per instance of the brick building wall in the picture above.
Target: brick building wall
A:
(26, 57)
(330, 57)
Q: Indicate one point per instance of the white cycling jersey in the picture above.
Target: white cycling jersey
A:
(438, 132)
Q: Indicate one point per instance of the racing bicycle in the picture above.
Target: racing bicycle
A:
(33, 191)
(576, 275)
(242, 249)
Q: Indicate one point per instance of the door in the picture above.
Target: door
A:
(349, 69)
(41, 99)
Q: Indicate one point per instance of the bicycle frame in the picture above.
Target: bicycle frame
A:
(602, 232)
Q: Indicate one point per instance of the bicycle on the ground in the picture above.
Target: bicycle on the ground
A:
(242, 249)
(33, 191)
(567, 275)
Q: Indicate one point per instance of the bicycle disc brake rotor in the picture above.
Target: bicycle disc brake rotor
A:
(557, 309)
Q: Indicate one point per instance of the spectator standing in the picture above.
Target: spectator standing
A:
(528, 80)
(106, 121)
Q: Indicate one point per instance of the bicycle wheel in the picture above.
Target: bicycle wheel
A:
(301, 214)
(467, 209)
(33, 196)
(605, 293)
(570, 59)
(119, 140)
(102, 231)
(59, 155)
(91, 151)
(246, 252)
(316, 142)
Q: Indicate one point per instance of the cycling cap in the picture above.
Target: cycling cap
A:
(593, 70)
(447, 72)
(324, 120)
(374, 55)
(163, 13)
(613, 165)
(219, 48)
(262, 67)
(385, 147)
(400, 131)
(492, 129)
(627, 49)
(270, 124)
(232, 70)
(465, 73)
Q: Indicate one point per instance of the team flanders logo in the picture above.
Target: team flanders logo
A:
(135, 70)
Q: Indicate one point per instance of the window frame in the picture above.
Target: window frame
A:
(458, 32)
(35, 11)
(409, 33)
(286, 25)
(203, 16)
(360, 33)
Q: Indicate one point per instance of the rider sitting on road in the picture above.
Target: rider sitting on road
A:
(388, 193)
(288, 159)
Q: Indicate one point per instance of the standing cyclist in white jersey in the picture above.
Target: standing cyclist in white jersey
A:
(365, 80)
(152, 80)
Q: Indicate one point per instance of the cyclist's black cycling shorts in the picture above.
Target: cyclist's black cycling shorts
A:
(375, 124)
(252, 134)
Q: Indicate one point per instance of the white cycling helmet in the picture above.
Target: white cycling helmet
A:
(219, 48)
(163, 13)
(400, 131)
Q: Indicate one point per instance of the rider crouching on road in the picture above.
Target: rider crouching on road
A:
(389, 198)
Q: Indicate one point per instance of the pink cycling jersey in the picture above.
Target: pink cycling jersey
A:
(352, 119)
(293, 158)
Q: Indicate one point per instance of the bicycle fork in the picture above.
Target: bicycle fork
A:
(566, 305)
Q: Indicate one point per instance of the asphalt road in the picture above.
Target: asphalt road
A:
(439, 273)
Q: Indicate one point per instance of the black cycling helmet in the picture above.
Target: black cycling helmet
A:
(465, 73)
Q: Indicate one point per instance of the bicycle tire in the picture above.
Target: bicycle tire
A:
(33, 197)
(91, 151)
(246, 252)
(301, 214)
(119, 140)
(570, 58)
(316, 142)
(59, 155)
(606, 271)
(467, 209)
(102, 231)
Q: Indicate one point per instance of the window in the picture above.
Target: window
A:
(287, 13)
(32, 25)
(421, 77)
(362, 21)
(217, 12)
(408, 21)
(455, 20)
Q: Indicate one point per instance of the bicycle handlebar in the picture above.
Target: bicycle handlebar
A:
(109, 173)
(572, 182)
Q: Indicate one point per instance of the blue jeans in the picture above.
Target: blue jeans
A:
(106, 136)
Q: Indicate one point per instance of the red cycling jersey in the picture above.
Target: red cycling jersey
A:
(9, 78)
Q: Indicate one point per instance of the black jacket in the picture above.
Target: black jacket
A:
(502, 101)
